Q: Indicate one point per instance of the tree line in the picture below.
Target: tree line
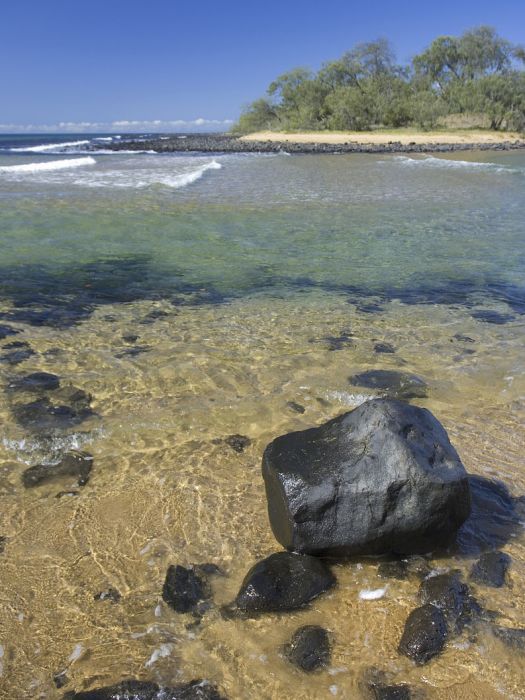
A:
(478, 73)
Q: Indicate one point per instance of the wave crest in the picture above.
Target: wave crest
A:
(50, 165)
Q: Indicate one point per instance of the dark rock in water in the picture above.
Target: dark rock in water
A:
(144, 690)
(130, 338)
(6, 331)
(17, 356)
(184, 590)
(36, 381)
(371, 308)
(133, 352)
(376, 686)
(393, 569)
(76, 464)
(463, 338)
(338, 342)
(387, 348)
(60, 679)
(111, 594)
(296, 407)
(512, 637)
(61, 494)
(3, 540)
(154, 315)
(381, 479)
(399, 385)
(424, 635)
(309, 648)
(282, 582)
(238, 442)
(491, 569)
(209, 569)
(493, 519)
(16, 344)
(42, 415)
(448, 593)
(492, 317)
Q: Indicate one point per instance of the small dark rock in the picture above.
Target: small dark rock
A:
(392, 692)
(424, 635)
(60, 679)
(491, 569)
(111, 594)
(144, 690)
(36, 381)
(384, 348)
(448, 593)
(309, 648)
(3, 540)
(6, 331)
(209, 569)
(238, 442)
(16, 345)
(393, 569)
(463, 338)
(183, 589)
(396, 384)
(133, 352)
(339, 342)
(376, 686)
(295, 407)
(61, 494)
(512, 637)
(283, 581)
(130, 338)
(492, 317)
(76, 464)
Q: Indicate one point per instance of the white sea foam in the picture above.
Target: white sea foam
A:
(187, 178)
(372, 594)
(433, 162)
(50, 165)
(49, 147)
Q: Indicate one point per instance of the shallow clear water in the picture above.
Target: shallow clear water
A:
(266, 280)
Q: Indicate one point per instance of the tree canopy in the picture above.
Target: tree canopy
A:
(478, 72)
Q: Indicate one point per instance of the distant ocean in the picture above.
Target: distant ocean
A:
(184, 298)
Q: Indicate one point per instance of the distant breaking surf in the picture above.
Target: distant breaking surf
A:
(50, 165)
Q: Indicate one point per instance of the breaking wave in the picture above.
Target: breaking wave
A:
(49, 165)
(433, 162)
(49, 147)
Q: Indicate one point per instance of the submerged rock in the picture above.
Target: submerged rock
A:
(375, 685)
(6, 331)
(45, 415)
(184, 590)
(110, 594)
(491, 569)
(381, 479)
(309, 648)
(387, 348)
(144, 690)
(391, 692)
(36, 382)
(512, 637)
(424, 635)
(282, 582)
(295, 407)
(492, 317)
(238, 442)
(15, 357)
(75, 464)
(399, 385)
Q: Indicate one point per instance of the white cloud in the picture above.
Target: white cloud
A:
(133, 125)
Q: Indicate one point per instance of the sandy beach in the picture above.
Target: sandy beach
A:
(380, 137)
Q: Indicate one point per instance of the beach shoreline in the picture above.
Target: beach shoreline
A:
(325, 142)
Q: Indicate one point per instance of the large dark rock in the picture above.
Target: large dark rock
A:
(184, 589)
(74, 464)
(309, 648)
(383, 478)
(424, 635)
(283, 582)
(491, 569)
(399, 385)
(144, 690)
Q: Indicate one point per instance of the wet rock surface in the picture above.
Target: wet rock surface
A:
(238, 443)
(399, 385)
(491, 569)
(282, 582)
(401, 569)
(184, 589)
(425, 634)
(77, 465)
(144, 690)
(448, 593)
(309, 648)
(381, 479)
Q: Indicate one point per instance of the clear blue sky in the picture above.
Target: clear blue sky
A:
(99, 61)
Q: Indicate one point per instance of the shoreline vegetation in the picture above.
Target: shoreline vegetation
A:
(474, 80)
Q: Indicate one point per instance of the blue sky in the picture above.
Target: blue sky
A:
(85, 65)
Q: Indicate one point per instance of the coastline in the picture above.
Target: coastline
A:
(324, 143)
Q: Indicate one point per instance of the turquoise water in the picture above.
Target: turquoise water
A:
(192, 297)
